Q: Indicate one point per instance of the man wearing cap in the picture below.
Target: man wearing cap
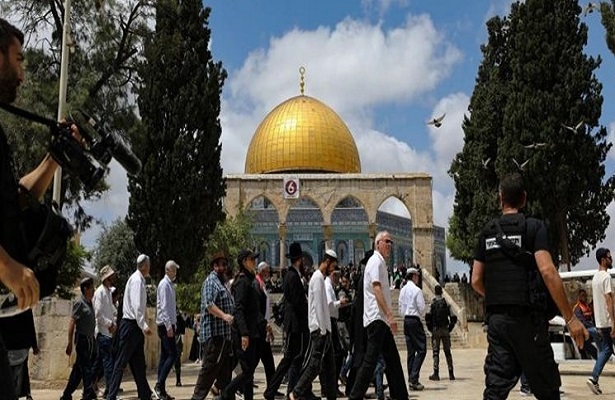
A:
(249, 325)
(105, 322)
(602, 293)
(295, 325)
(380, 324)
(81, 332)
(320, 351)
(217, 307)
(263, 274)
(511, 253)
(132, 331)
(166, 322)
(412, 308)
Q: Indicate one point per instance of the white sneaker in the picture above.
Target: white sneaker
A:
(593, 386)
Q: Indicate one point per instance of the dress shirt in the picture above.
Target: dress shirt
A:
(261, 284)
(318, 315)
(104, 310)
(135, 299)
(166, 305)
(332, 301)
(411, 300)
(375, 271)
(214, 292)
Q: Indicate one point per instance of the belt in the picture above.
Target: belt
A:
(510, 310)
(412, 317)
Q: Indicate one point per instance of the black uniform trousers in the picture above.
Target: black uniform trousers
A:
(319, 360)
(380, 340)
(248, 360)
(266, 357)
(519, 342)
(130, 352)
(6, 375)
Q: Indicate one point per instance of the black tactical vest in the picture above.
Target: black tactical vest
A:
(506, 280)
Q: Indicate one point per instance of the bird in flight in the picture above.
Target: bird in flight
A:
(437, 122)
(486, 163)
(521, 166)
(576, 128)
(534, 146)
(590, 8)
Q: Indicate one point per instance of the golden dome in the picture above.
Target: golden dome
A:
(302, 134)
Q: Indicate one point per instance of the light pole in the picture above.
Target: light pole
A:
(57, 178)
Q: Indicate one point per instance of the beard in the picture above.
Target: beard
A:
(8, 83)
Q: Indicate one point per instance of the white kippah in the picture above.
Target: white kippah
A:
(141, 258)
(331, 253)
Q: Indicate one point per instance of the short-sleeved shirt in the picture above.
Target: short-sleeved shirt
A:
(375, 271)
(83, 314)
(213, 292)
(601, 285)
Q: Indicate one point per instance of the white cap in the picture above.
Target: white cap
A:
(412, 270)
(142, 258)
(331, 253)
(261, 266)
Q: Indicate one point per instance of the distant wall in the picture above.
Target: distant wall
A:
(52, 366)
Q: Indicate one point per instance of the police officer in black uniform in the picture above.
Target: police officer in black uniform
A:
(517, 322)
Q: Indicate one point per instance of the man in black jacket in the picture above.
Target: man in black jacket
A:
(295, 325)
(247, 327)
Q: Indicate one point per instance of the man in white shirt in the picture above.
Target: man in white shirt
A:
(166, 322)
(132, 331)
(380, 324)
(331, 282)
(320, 351)
(412, 307)
(105, 322)
(602, 293)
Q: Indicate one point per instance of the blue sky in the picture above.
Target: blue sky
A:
(385, 66)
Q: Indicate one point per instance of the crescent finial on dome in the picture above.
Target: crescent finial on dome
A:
(302, 80)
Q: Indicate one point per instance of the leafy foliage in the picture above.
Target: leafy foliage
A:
(176, 201)
(70, 272)
(230, 236)
(534, 81)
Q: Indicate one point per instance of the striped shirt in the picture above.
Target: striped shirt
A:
(213, 292)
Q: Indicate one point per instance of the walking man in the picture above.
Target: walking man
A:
(295, 325)
(217, 307)
(602, 292)
(105, 323)
(412, 307)
(81, 332)
(132, 331)
(512, 253)
(380, 324)
(166, 322)
(320, 351)
(263, 274)
(441, 322)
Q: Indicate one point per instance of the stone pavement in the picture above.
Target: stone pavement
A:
(468, 370)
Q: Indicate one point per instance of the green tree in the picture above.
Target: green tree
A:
(607, 14)
(550, 85)
(230, 236)
(71, 270)
(176, 201)
(115, 246)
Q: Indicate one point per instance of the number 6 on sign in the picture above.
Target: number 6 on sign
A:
(291, 188)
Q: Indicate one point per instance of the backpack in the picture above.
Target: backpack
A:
(440, 313)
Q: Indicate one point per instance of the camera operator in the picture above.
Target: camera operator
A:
(17, 277)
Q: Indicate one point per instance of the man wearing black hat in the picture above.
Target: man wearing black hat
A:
(81, 332)
(217, 307)
(295, 325)
(249, 325)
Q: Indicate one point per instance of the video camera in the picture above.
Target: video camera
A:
(98, 142)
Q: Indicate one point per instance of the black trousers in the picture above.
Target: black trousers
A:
(217, 366)
(294, 350)
(319, 360)
(380, 340)
(266, 357)
(130, 352)
(519, 342)
(248, 360)
(83, 368)
(6, 375)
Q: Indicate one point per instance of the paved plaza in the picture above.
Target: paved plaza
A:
(468, 370)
